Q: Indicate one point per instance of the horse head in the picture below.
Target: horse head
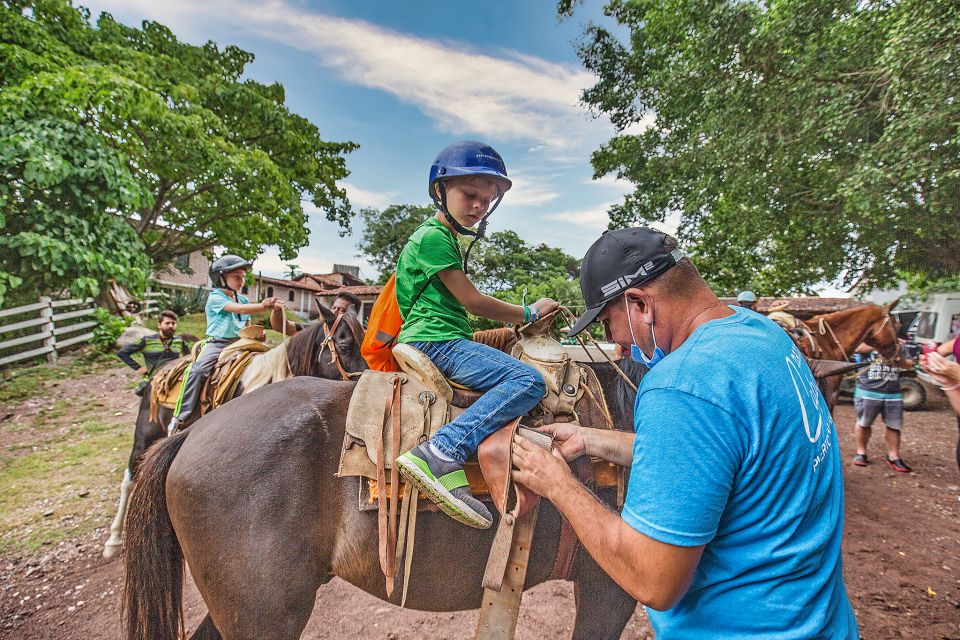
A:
(881, 334)
(338, 345)
(329, 348)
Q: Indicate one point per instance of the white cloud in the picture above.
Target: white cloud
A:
(529, 190)
(502, 96)
(598, 218)
(645, 122)
(360, 198)
(593, 218)
(612, 181)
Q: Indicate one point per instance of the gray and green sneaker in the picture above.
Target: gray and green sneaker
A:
(446, 484)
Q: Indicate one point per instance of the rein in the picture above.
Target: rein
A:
(568, 315)
(823, 323)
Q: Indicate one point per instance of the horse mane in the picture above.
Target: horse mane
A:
(303, 349)
(501, 339)
(843, 313)
(620, 396)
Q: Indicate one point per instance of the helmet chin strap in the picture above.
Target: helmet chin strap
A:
(481, 228)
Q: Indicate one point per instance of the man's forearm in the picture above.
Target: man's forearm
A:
(612, 446)
(652, 572)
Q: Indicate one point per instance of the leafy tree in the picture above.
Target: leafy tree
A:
(386, 232)
(110, 120)
(503, 261)
(798, 140)
(293, 270)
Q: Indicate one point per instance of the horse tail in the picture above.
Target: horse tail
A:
(153, 586)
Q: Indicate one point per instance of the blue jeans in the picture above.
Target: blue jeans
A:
(510, 388)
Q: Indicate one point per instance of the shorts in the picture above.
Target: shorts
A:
(869, 408)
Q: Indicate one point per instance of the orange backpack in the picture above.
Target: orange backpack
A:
(383, 327)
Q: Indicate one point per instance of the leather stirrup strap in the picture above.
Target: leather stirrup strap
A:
(499, 610)
(387, 551)
(394, 486)
(506, 570)
(408, 532)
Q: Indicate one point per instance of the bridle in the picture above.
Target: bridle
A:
(896, 358)
(328, 341)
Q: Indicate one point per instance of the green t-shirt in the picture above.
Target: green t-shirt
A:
(437, 315)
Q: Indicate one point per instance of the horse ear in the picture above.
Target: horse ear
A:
(892, 304)
(325, 313)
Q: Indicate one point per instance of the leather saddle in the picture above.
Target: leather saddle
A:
(222, 384)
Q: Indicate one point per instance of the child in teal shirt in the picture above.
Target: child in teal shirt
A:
(467, 182)
(227, 313)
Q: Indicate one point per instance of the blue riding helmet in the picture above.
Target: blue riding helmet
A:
(467, 158)
(746, 296)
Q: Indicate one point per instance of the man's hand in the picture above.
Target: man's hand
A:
(568, 439)
(540, 470)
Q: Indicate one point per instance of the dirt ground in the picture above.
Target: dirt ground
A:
(901, 562)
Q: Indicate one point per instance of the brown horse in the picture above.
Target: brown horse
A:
(501, 339)
(249, 498)
(836, 336)
(308, 353)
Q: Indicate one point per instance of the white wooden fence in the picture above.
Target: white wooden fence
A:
(57, 324)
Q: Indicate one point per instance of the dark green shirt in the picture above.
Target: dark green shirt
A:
(155, 351)
(436, 315)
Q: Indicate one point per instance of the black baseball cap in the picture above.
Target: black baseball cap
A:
(620, 260)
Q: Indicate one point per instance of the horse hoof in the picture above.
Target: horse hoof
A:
(112, 549)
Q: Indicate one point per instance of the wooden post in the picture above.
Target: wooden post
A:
(47, 314)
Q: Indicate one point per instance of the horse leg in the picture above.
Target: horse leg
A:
(603, 607)
(114, 543)
(145, 434)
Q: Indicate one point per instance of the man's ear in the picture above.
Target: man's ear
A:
(642, 303)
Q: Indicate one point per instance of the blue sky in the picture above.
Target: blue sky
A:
(403, 80)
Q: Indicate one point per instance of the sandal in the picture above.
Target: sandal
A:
(861, 460)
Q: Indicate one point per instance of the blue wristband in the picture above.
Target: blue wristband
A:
(534, 313)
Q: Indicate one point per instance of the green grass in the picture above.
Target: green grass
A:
(19, 384)
(51, 477)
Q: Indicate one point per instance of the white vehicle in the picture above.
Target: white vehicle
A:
(938, 318)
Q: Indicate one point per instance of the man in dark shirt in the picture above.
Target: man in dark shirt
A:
(878, 393)
(157, 348)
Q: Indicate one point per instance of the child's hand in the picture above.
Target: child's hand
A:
(545, 306)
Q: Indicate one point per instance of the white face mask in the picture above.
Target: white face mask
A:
(635, 352)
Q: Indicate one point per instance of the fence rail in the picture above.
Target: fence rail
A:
(57, 328)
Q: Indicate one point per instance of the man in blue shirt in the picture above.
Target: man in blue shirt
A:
(733, 519)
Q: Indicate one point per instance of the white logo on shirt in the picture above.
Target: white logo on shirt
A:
(811, 402)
